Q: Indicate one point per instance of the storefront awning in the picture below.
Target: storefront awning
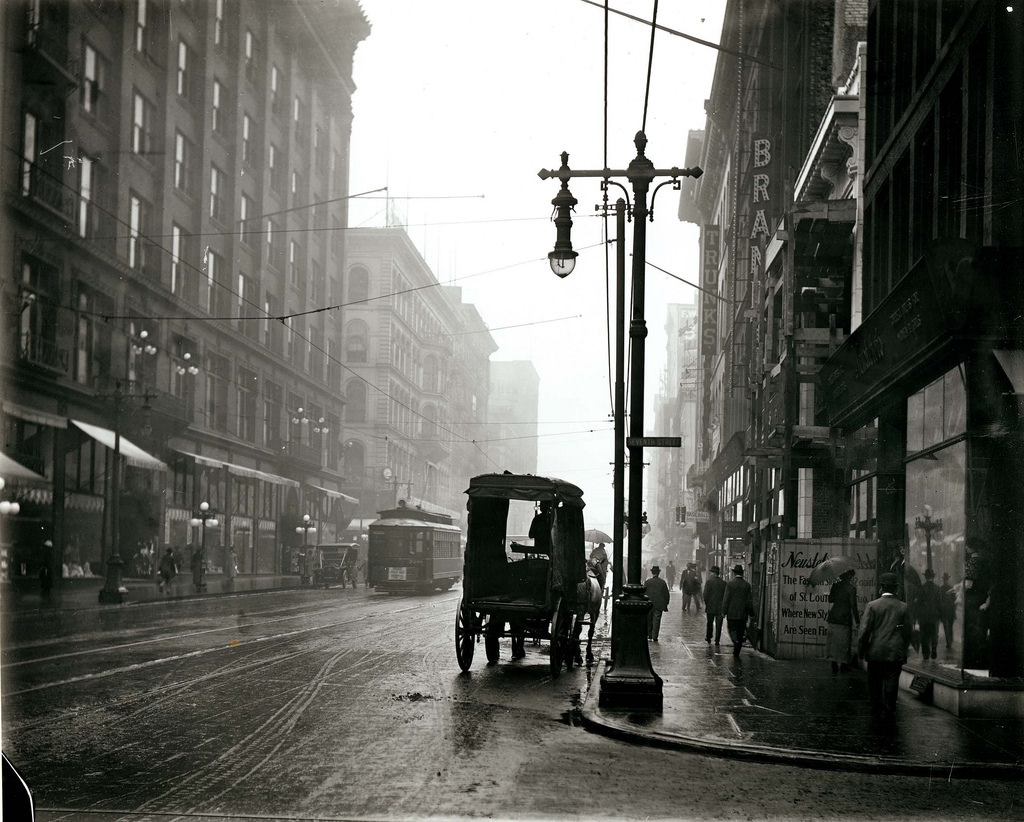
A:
(13, 470)
(240, 470)
(13, 409)
(336, 494)
(129, 450)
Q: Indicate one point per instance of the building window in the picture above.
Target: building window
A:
(184, 76)
(275, 247)
(28, 152)
(252, 57)
(316, 285)
(183, 281)
(216, 194)
(141, 14)
(182, 163)
(217, 378)
(293, 262)
(355, 401)
(85, 194)
(355, 342)
(138, 221)
(299, 116)
(212, 264)
(358, 284)
(218, 22)
(247, 385)
(275, 95)
(275, 167)
(142, 124)
(245, 223)
(217, 117)
(94, 82)
(246, 139)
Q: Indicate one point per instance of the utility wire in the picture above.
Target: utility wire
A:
(650, 63)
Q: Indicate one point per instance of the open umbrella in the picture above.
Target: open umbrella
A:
(596, 535)
(832, 568)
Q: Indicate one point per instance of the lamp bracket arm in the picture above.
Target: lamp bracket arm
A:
(674, 182)
(629, 205)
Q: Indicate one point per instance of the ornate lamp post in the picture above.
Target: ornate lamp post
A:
(304, 529)
(206, 517)
(928, 525)
(629, 679)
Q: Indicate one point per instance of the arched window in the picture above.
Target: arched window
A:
(355, 342)
(358, 284)
(355, 460)
(430, 375)
(429, 422)
(355, 401)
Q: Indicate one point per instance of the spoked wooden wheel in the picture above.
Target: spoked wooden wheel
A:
(557, 638)
(465, 636)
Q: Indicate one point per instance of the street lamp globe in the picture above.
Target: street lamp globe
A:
(563, 258)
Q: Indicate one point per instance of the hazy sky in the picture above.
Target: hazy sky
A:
(459, 104)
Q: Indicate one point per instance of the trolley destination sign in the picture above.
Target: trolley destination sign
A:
(654, 442)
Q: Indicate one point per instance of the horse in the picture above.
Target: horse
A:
(588, 604)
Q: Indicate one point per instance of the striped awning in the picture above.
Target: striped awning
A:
(129, 450)
(240, 470)
(12, 470)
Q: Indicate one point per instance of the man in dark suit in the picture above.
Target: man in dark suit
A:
(657, 592)
(714, 593)
(885, 634)
(738, 606)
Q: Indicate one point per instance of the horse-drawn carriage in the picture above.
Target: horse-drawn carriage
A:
(536, 589)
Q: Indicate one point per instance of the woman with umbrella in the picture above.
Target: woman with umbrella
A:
(841, 619)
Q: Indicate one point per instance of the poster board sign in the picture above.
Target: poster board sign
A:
(796, 612)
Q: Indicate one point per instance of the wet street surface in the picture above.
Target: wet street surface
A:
(342, 704)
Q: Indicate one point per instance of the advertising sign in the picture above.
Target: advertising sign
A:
(710, 258)
(797, 609)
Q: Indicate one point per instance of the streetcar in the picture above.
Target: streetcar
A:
(412, 550)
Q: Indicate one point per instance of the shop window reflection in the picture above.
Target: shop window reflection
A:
(936, 491)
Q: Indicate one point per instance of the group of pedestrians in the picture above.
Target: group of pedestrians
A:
(881, 636)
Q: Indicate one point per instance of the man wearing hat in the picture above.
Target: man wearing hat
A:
(884, 636)
(714, 593)
(657, 592)
(738, 606)
(928, 609)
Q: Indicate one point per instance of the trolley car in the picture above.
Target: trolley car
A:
(412, 550)
(517, 589)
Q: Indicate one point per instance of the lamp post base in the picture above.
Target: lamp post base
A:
(112, 592)
(629, 680)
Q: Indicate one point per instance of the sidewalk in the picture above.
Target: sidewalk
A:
(797, 712)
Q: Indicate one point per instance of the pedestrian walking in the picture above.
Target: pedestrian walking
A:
(657, 592)
(928, 609)
(842, 618)
(599, 556)
(45, 572)
(947, 610)
(714, 594)
(231, 565)
(168, 570)
(198, 562)
(884, 636)
(670, 575)
(738, 606)
(690, 583)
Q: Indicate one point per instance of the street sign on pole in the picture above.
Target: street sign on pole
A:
(654, 442)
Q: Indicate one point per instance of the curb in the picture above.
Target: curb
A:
(595, 720)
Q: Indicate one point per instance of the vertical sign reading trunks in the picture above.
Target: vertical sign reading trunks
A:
(710, 259)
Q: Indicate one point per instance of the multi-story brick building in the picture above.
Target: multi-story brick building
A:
(416, 380)
(861, 339)
(175, 177)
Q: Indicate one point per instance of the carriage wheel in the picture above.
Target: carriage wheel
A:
(465, 636)
(492, 635)
(557, 638)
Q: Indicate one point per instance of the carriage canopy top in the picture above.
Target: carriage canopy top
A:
(526, 487)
